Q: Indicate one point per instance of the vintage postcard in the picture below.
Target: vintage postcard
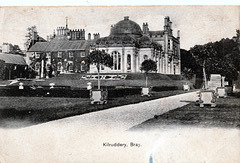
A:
(151, 84)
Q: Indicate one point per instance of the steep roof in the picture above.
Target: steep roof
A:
(60, 45)
(12, 59)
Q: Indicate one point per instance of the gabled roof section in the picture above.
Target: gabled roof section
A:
(60, 45)
(12, 59)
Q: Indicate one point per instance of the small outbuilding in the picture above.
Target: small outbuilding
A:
(12, 66)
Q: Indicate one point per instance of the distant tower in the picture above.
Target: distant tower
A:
(145, 28)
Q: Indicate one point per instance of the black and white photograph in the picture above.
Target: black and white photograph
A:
(119, 84)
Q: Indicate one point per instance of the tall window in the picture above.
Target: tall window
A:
(59, 54)
(37, 66)
(119, 62)
(116, 60)
(129, 62)
(48, 55)
(37, 55)
(70, 54)
(59, 66)
(83, 53)
(70, 65)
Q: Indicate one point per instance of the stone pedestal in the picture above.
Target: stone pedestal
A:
(221, 92)
(145, 91)
(98, 96)
(207, 97)
(186, 87)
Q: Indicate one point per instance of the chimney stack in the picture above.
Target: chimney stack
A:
(178, 33)
(126, 17)
(89, 36)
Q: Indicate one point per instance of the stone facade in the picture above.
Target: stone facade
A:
(130, 46)
(64, 52)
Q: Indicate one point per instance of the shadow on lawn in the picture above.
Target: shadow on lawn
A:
(17, 118)
(226, 114)
(13, 118)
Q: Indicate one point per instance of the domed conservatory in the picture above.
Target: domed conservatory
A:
(130, 46)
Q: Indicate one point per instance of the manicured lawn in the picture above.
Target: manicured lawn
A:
(132, 80)
(42, 109)
(225, 114)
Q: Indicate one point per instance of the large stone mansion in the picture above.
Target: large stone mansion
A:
(66, 50)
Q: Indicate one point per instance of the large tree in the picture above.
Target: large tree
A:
(30, 36)
(15, 49)
(227, 60)
(100, 58)
(203, 55)
(148, 66)
(222, 57)
(188, 64)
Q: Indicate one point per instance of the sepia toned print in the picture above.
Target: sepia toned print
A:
(119, 84)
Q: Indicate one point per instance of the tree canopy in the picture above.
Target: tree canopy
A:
(100, 58)
(30, 36)
(221, 57)
(188, 64)
(148, 65)
(15, 49)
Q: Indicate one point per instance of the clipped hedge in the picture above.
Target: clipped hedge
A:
(120, 92)
(66, 91)
(165, 88)
(63, 91)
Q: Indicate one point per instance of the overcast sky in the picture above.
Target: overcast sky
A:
(198, 24)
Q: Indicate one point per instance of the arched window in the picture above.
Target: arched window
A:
(116, 60)
(119, 61)
(48, 66)
(70, 66)
(37, 66)
(59, 66)
(129, 62)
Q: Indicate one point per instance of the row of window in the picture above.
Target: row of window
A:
(60, 55)
(117, 60)
(70, 54)
(69, 66)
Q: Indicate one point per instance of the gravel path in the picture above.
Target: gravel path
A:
(84, 138)
(124, 117)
